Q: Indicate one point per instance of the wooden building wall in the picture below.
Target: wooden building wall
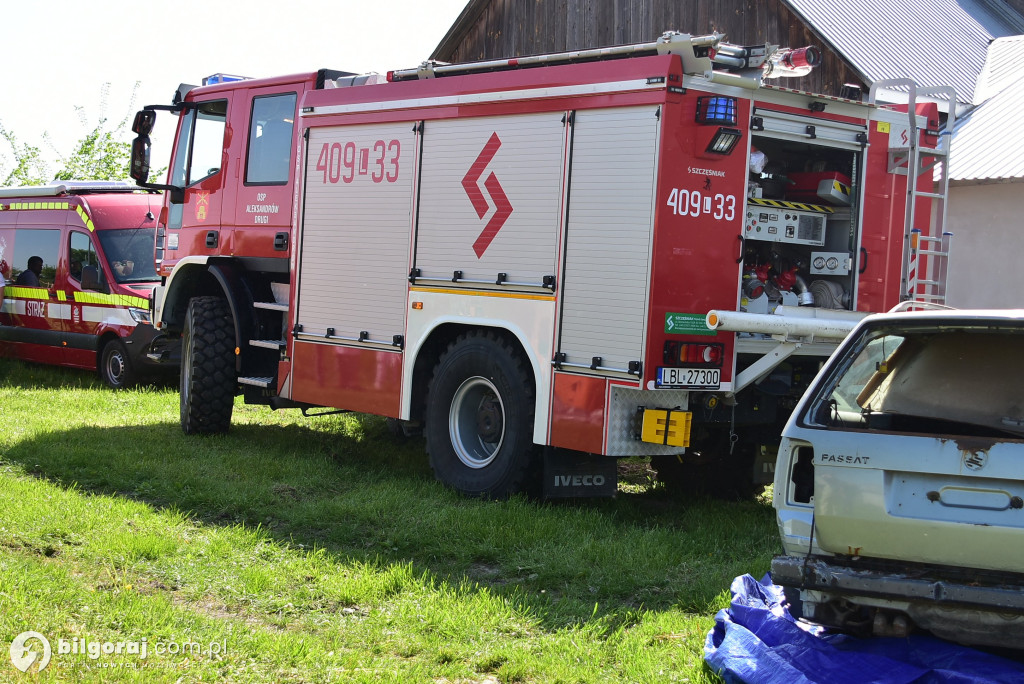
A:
(490, 29)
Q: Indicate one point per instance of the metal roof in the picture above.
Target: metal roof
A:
(987, 143)
(934, 42)
(1003, 66)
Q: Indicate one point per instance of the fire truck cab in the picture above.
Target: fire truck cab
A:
(606, 253)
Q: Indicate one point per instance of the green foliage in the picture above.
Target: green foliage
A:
(100, 154)
(97, 156)
(29, 167)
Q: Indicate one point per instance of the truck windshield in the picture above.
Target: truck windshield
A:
(129, 254)
(950, 379)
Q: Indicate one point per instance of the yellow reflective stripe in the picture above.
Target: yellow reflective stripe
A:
(483, 293)
(113, 299)
(26, 292)
(15, 292)
(30, 206)
(40, 205)
(85, 218)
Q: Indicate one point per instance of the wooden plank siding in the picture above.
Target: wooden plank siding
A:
(492, 29)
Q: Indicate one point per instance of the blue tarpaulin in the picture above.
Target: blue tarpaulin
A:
(756, 641)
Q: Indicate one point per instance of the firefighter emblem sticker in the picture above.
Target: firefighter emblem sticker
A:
(202, 205)
(471, 184)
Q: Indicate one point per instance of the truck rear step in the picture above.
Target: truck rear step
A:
(257, 381)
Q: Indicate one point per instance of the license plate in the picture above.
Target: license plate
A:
(686, 378)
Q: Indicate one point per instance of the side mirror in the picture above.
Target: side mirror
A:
(145, 119)
(139, 170)
(91, 279)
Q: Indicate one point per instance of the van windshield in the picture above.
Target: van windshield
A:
(129, 254)
(944, 379)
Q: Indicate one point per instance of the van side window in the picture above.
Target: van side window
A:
(270, 139)
(30, 243)
(82, 254)
(201, 144)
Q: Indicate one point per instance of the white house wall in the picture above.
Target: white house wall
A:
(988, 241)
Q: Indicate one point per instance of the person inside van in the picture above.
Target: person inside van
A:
(124, 268)
(30, 277)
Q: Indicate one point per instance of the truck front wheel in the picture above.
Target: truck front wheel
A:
(479, 420)
(208, 379)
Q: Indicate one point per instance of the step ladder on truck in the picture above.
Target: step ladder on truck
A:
(924, 158)
(518, 257)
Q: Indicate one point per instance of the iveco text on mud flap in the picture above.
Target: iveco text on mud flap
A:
(898, 487)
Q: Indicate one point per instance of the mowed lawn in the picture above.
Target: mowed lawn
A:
(321, 549)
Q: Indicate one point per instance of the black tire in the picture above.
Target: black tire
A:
(479, 420)
(115, 367)
(208, 379)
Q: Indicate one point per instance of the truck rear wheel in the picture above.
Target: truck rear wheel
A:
(208, 379)
(115, 366)
(479, 420)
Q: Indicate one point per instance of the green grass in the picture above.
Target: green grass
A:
(322, 549)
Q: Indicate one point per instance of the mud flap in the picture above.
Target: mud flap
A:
(569, 474)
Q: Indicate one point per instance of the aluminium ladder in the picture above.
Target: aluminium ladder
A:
(925, 251)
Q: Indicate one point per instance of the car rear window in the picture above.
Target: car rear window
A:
(957, 380)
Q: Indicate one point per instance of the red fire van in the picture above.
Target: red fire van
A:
(77, 258)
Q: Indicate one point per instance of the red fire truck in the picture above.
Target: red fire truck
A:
(544, 263)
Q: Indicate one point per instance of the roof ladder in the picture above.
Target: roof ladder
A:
(925, 250)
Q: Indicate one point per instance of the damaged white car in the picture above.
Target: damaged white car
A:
(899, 486)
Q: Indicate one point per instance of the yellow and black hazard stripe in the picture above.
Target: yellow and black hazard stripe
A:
(799, 206)
(65, 206)
(841, 188)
